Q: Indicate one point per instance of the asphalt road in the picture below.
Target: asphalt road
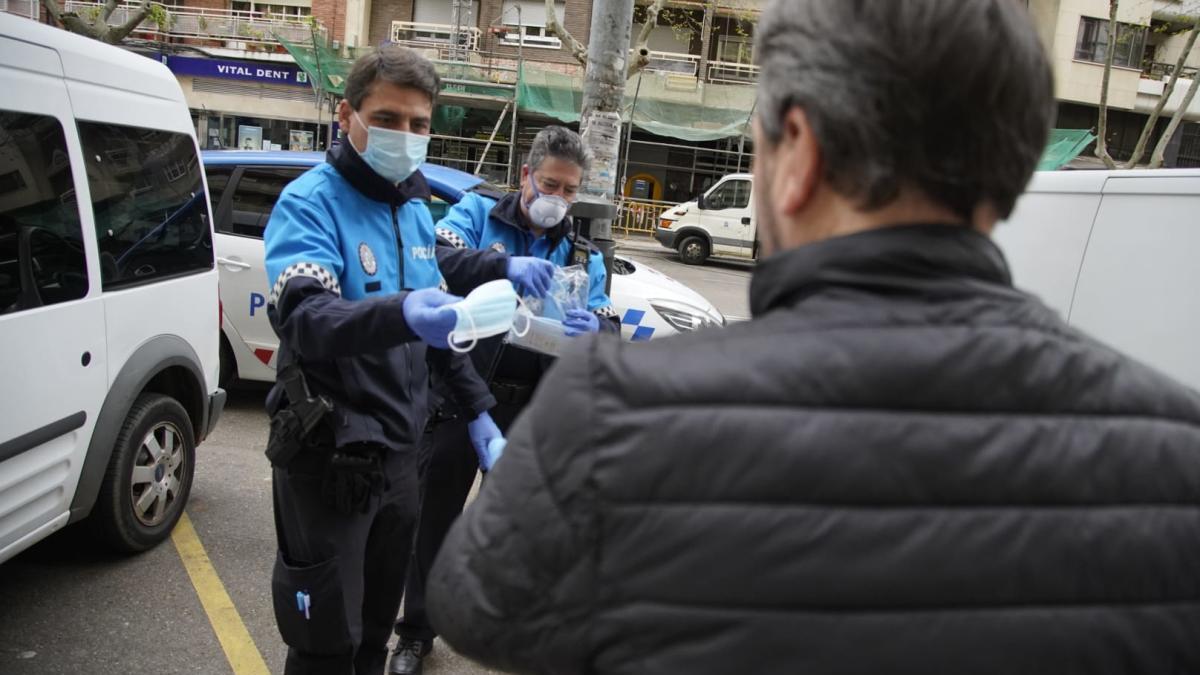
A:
(67, 608)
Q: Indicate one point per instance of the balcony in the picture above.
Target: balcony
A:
(1162, 71)
(688, 65)
(25, 8)
(236, 28)
(434, 36)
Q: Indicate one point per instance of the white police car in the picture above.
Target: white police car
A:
(244, 186)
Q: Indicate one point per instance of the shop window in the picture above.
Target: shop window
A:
(1092, 43)
(41, 238)
(148, 202)
(253, 199)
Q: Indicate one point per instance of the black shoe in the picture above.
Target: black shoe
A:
(406, 659)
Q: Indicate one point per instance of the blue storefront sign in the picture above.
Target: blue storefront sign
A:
(269, 72)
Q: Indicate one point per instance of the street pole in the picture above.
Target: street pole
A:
(600, 121)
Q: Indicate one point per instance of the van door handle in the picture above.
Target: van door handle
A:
(746, 220)
(236, 264)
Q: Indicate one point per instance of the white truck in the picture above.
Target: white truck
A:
(719, 223)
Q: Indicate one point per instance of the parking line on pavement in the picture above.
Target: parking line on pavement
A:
(239, 647)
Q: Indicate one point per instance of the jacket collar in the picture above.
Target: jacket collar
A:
(508, 211)
(940, 260)
(343, 157)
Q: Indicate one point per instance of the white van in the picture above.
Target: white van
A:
(109, 317)
(720, 223)
(1116, 253)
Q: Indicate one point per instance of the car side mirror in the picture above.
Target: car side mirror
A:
(701, 203)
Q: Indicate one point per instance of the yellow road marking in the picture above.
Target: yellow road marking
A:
(239, 648)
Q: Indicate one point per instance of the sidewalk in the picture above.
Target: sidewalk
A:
(637, 242)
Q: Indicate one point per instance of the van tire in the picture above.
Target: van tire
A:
(693, 250)
(155, 423)
(228, 373)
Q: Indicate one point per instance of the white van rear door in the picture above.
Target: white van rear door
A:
(1137, 289)
(53, 354)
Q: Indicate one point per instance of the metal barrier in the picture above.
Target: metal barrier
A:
(416, 34)
(639, 215)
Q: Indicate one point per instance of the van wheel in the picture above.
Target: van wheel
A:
(693, 251)
(228, 372)
(149, 475)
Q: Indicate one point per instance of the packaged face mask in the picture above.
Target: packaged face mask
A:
(568, 290)
(490, 309)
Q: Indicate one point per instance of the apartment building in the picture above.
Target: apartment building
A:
(1149, 37)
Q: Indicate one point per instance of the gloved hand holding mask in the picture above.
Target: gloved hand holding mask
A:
(490, 309)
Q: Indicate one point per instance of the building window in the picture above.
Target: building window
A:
(525, 23)
(1093, 43)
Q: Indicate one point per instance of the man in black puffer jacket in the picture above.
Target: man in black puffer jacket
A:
(902, 464)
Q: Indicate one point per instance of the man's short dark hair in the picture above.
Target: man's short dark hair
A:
(951, 97)
(398, 65)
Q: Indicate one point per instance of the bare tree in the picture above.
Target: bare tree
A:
(94, 24)
(1160, 150)
(640, 57)
(1102, 124)
(1162, 100)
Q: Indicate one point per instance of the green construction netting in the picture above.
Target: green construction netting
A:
(664, 104)
(1064, 146)
(325, 68)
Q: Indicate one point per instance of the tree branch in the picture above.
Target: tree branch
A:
(1160, 151)
(1102, 131)
(554, 27)
(640, 56)
(69, 20)
(117, 33)
(110, 6)
(1148, 129)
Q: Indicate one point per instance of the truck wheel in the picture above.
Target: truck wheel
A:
(149, 476)
(693, 251)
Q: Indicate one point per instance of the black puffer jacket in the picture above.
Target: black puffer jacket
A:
(902, 465)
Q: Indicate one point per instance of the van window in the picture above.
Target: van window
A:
(41, 239)
(732, 194)
(254, 198)
(218, 179)
(148, 202)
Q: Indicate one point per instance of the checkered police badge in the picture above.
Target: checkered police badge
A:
(367, 257)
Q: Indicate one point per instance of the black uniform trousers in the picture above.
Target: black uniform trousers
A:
(448, 468)
(350, 568)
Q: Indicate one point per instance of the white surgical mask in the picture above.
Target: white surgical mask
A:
(490, 309)
(393, 154)
(546, 211)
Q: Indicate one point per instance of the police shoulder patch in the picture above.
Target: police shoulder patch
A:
(498, 247)
(367, 257)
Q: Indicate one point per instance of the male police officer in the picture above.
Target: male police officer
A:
(351, 256)
(533, 224)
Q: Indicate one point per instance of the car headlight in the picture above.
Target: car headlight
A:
(684, 317)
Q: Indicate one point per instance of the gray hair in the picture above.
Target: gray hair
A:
(398, 65)
(560, 143)
(952, 97)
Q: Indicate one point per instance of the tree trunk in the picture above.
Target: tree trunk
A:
(1162, 101)
(1102, 124)
(1160, 150)
(117, 33)
(641, 52)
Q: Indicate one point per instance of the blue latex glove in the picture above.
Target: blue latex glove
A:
(531, 276)
(429, 315)
(580, 322)
(484, 436)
